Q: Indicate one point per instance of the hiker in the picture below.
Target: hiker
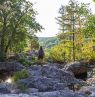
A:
(41, 55)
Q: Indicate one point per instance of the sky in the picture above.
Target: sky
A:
(48, 11)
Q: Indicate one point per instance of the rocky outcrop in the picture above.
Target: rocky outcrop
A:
(48, 78)
(44, 81)
(79, 69)
(76, 67)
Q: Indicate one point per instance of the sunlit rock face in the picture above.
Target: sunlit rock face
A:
(9, 80)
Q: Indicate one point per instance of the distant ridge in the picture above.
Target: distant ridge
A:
(48, 42)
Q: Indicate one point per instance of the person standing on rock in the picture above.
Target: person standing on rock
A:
(41, 55)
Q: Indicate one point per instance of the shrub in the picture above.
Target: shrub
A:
(56, 53)
(26, 62)
(82, 52)
(20, 75)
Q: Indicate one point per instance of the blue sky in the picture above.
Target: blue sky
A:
(48, 10)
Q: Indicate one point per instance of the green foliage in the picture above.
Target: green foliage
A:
(84, 50)
(47, 55)
(27, 62)
(17, 25)
(71, 15)
(77, 33)
(72, 18)
(27, 59)
(60, 53)
(87, 51)
(34, 43)
(48, 42)
(89, 30)
(20, 75)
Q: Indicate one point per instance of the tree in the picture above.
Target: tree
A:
(17, 23)
(34, 43)
(89, 30)
(72, 19)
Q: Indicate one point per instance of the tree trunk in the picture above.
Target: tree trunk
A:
(2, 44)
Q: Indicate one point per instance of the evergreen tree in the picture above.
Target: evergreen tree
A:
(72, 19)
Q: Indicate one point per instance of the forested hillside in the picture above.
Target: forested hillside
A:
(48, 42)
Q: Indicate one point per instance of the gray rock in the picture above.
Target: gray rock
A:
(15, 91)
(59, 86)
(76, 67)
(49, 70)
(35, 70)
(62, 93)
(48, 78)
(11, 66)
(88, 90)
(31, 90)
(40, 83)
(17, 95)
(4, 88)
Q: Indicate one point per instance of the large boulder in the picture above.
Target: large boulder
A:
(36, 70)
(48, 71)
(48, 78)
(76, 67)
(79, 69)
